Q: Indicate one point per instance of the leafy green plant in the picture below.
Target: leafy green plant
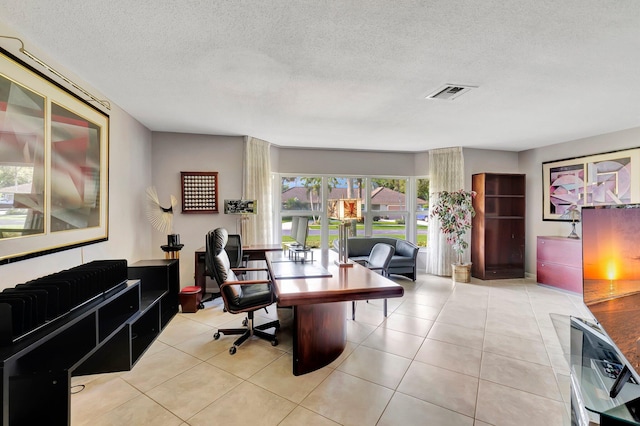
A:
(455, 210)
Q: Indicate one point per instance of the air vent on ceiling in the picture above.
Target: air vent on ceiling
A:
(450, 92)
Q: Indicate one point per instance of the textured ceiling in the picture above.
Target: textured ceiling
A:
(352, 74)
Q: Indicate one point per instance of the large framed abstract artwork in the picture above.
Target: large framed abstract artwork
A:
(608, 178)
(53, 166)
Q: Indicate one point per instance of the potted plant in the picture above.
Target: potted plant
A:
(454, 210)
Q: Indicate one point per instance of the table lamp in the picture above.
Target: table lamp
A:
(345, 210)
(572, 213)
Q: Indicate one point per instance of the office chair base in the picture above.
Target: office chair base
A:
(245, 333)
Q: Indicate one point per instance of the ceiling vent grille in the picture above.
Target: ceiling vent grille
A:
(450, 92)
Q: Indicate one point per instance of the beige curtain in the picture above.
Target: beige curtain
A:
(446, 173)
(257, 229)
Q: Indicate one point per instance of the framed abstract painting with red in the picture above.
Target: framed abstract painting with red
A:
(53, 166)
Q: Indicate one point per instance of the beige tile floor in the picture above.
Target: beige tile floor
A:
(483, 353)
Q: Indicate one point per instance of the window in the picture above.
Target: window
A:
(301, 195)
(422, 211)
(386, 210)
(389, 207)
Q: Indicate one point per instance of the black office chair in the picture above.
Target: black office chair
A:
(379, 260)
(239, 295)
(237, 259)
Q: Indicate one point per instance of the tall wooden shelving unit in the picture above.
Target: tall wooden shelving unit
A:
(497, 236)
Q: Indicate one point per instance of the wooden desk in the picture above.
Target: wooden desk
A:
(319, 314)
(255, 252)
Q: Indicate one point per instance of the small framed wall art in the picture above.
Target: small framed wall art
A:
(199, 192)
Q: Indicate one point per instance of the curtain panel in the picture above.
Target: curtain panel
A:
(446, 173)
(256, 185)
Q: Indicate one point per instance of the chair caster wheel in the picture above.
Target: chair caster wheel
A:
(274, 342)
(216, 335)
(201, 306)
(232, 350)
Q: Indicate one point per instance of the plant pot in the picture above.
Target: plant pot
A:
(461, 273)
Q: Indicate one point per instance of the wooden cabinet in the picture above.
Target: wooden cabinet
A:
(497, 236)
(559, 262)
(107, 333)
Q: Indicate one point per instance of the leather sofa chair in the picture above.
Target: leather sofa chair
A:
(403, 261)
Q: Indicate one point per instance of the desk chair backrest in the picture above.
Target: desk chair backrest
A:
(218, 264)
(380, 257)
(234, 250)
(237, 297)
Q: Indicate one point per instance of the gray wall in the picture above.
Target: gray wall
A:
(530, 163)
(129, 230)
(317, 161)
(129, 175)
(177, 152)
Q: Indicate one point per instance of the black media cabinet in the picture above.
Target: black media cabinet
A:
(107, 333)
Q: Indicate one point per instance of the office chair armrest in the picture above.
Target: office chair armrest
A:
(248, 269)
(248, 282)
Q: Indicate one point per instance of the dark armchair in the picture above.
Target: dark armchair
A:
(239, 296)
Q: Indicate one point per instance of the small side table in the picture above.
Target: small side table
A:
(172, 252)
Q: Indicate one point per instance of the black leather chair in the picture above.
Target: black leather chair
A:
(379, 260)
(237, 259)
(239, 296)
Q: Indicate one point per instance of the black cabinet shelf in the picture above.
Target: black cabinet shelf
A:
(144, 331)
(107, 333)
(118, 310)
(153, 273)
(150, 298)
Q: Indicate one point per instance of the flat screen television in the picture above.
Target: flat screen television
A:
(611, 273)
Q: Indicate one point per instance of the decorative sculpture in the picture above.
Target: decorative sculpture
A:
(160, 217)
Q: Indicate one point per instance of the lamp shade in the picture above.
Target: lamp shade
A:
(345, 209)
(572, 213)
(240, 206)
